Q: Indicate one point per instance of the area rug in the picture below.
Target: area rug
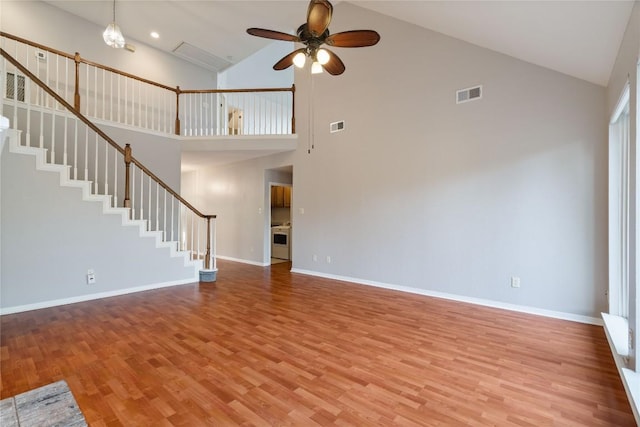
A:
(51, 405)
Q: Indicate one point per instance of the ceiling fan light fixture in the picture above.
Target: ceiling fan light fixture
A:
(322, 56)
(112, 35)
(299, 59)
(316, 68)
(315, 33)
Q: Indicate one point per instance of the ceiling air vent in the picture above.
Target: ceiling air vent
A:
(468, 94)
(200, 57)
(336, 126)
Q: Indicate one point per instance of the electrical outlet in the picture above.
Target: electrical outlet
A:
(328, 259)
(515, 282)
(91, 277)
(315, 258)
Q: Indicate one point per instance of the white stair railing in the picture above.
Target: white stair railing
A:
(49, 122)
(217, 112)
(105, 93)
(112, 95)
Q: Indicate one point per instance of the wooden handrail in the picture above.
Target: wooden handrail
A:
(78, 59)
(39, 46)
(269, 89)
(97, 130)
(131, 76)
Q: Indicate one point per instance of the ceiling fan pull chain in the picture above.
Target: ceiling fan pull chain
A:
(310, 143)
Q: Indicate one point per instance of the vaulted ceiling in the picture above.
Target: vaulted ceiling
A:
(578, 38)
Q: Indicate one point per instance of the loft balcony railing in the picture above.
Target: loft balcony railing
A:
(104, 93)
(46, 120)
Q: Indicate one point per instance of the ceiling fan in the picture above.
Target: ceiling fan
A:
(313, 34)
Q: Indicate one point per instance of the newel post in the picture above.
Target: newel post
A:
(76, 93)
(207, 259)
(207, 274)
(293, 108)
(177, 110)
(127, 164)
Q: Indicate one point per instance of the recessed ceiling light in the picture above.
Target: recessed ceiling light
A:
(155, 35)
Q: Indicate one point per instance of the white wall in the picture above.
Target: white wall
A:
(280, 215)
(40, 22)
(626, 68)
(626, 61)
(257, 71)
(423, 193)
(239, 195)
(159, 153)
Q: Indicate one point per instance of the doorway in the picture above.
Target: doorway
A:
(279, 220)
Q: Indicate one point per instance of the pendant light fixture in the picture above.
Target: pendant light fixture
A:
(112, 35)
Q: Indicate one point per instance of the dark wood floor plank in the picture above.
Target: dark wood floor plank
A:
(264, 347)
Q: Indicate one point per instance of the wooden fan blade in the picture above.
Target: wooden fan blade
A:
(335, 66)
(319, 17)
(274, 35)
(287, 61)
(354, 38)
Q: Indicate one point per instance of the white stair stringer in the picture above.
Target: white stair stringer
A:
(64, 172)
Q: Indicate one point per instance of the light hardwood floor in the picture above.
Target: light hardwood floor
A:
(265, 347)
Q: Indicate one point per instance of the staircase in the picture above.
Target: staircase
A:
(62, 184)
(54, 230)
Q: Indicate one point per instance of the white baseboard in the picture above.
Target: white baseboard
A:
(89, 297)
(471, 300)
(243, 261)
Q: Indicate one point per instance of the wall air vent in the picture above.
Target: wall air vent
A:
(468, 94)
(336, 126)
(15, 85)
(200, 57)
